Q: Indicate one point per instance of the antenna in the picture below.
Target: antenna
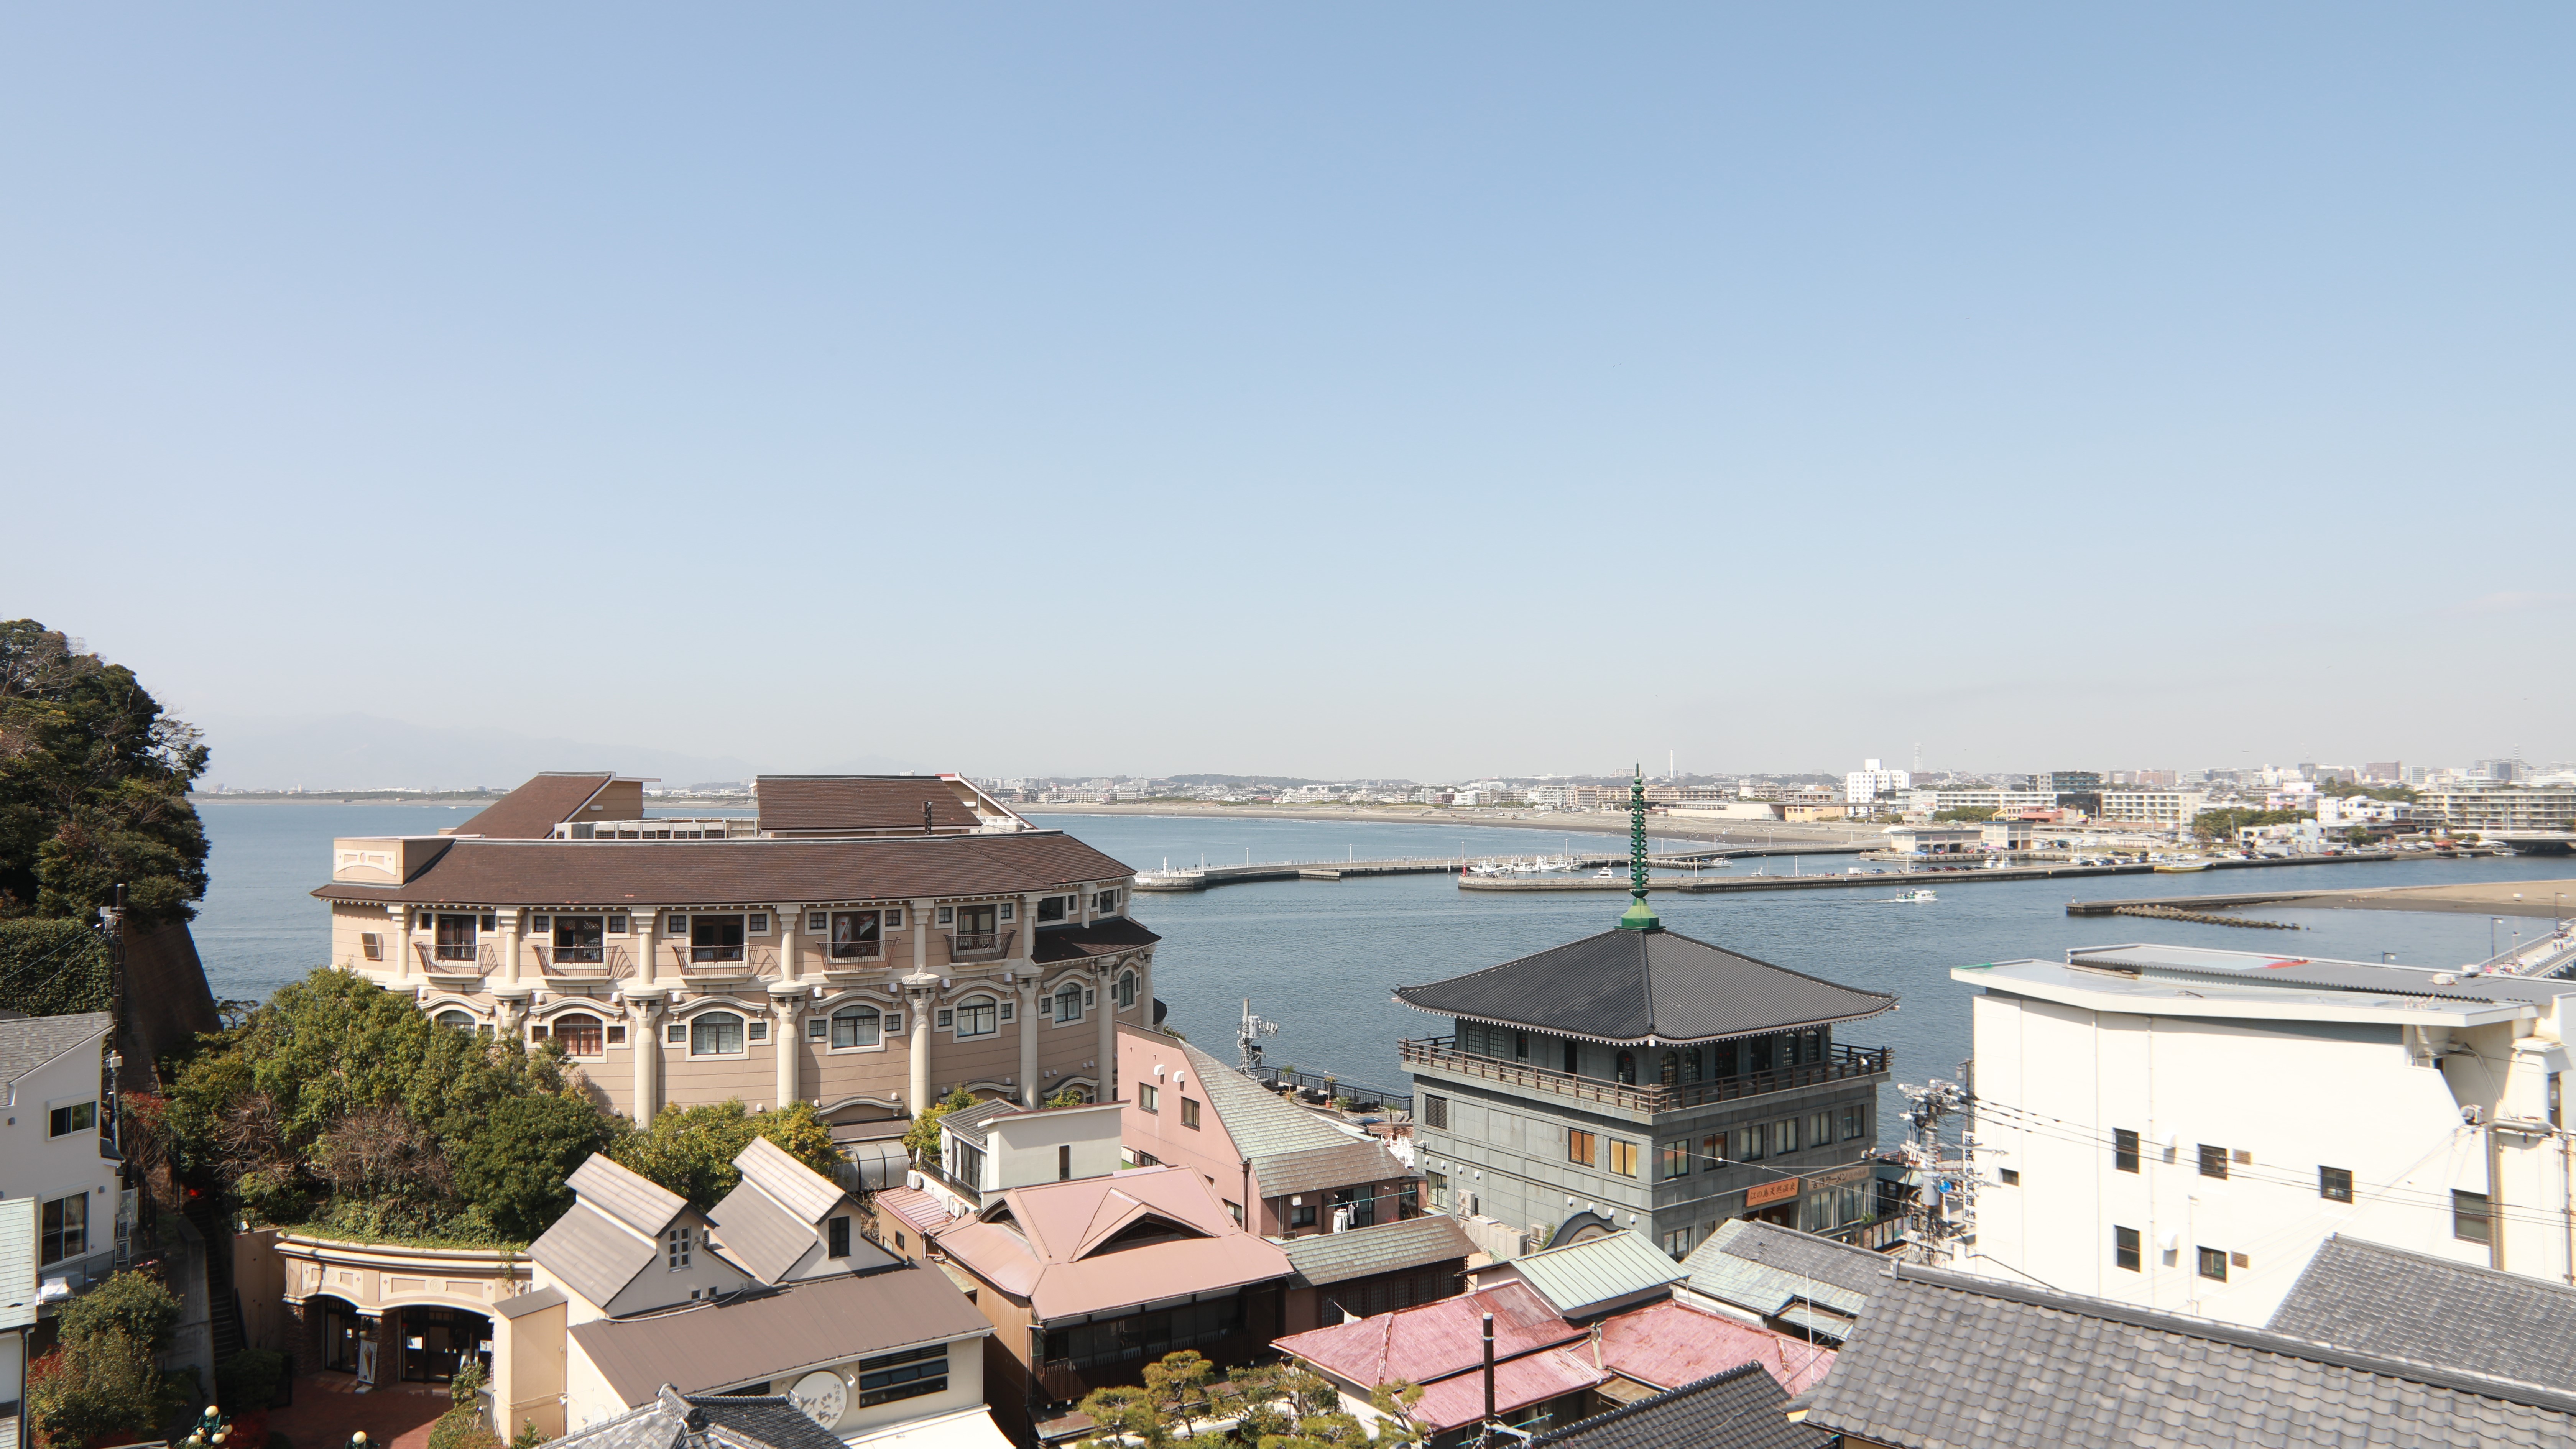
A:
(1248, 1039)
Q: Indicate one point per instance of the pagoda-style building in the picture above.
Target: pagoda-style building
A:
(1642, 1079)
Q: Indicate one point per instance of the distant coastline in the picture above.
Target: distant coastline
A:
(1586, 823)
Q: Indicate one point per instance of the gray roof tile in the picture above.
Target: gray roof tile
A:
(1328, 1258)
(1947, 1359)
(1742, 1408)
(1261, 1123)
(756, 1232)
(2380, 1300)
(29, 1042)
(591, 1254)
(1636, 986)
(1762, 1267)
(1319, 1169)
(807, 1195)
(625, 1194)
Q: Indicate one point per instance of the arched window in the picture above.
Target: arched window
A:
(1068, 1001)
(716, 1034)
(461, 1020)
(1628, 1068)
(855, 1026)
(581, 1033)
(978, 1016)
(1669, 1071)
(1126, 990)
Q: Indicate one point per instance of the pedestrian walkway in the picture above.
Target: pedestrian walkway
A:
(328, 1408)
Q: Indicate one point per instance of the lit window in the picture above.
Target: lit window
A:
(716, 1034)
(1581, 1147)
(1623, 1158)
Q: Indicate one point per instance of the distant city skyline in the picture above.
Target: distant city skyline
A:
(1413, 391)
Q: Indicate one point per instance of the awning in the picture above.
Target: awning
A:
(879, 1164)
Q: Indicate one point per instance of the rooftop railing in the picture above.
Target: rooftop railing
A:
(1841, 1063)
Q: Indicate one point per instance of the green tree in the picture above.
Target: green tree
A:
(1125, 1415)
(1966, 813)
(514, 1164)
(922, 1138)
(1179, 1383)
(93, 787)
(691, 1150)
(102, 1380)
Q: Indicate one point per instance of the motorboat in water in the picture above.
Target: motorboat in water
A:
(2180, 867)
(1919, 893)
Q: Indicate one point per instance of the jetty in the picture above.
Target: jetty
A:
(1465, 867)
(1934, 876)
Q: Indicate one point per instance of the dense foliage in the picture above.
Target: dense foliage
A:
(338, 1104)
(2223, 824)
(93, 787)
(1969, 813)
(52, 967)
(921, 1139)
(101, 1379)
(690, 1150)
(1260, 1406)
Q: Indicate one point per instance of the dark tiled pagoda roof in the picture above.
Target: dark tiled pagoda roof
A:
(1630, 987)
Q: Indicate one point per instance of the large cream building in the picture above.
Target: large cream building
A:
(864, 943)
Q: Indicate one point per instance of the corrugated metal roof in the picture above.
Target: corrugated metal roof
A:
(1433, 1340)
(967, 1123)
(1630, 987)
(1668, 1344)
(1761, 1267)
(806, 1194)
(591, 1253)
(29, 1042)
(1329, 1258)
(1530, 1379)
(1584, 1276)
(1260, 1122)
(779, 1332)
(1945, 1358)
(625, 1194)
(759, 1234)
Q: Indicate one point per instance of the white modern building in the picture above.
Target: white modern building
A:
(1867, 783)
(57, 1148)
(2498, 807)
(2179, 1128)
(1932, 802)
(2153, 807)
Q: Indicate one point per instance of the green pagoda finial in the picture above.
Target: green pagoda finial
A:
(1639, 916)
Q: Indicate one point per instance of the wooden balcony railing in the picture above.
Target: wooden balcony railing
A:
(1842, 1063)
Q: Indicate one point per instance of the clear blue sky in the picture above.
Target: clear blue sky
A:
(1346, 389)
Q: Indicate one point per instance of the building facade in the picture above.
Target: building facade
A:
(2498, 807)
(1641, 1079)
(2179, 1128)
(865, 943)
(2172, 808)
(1869, 783)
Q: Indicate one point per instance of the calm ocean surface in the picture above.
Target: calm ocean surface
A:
(1320, 957)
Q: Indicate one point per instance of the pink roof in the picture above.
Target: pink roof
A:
(1433, 1340)
(1530, 1379)
(1667, 1345)
(914, 1206)
(1043, 1242)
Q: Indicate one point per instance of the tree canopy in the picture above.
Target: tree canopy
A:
(94, 784)
(690, 1150)
(338, 1103)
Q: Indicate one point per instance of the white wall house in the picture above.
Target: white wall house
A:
(2180, 1128)
(992, 1147)
(53, 1148)
(1869, 782)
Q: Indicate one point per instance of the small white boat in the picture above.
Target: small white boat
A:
(2180, 867)
(1605, 873)
(1919, 893)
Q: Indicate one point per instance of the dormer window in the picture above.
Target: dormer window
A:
(675, 1247)
(1105, 903)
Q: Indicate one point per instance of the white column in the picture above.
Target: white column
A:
(920, 990)
(1108, 1001)
(790, 919)
(921, 919)
(648, 945)
(1145, 989)
(644, 1038)
(509, 923)
(1031, 1094)
(788, 1014)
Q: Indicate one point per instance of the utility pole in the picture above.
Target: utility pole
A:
(1943, 1207)
(111, 919)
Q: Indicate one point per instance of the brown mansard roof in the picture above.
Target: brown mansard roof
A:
(859, 802)
(532, 811)
(647, 873)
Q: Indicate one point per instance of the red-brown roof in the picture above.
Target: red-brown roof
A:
(642, 874)
(1051, 1243)
(1668, 1344)
(532, 811)
(1535, 1378)
(859, 802)
(1432, 1341)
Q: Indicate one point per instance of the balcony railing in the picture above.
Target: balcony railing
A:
(450, 959)
(726, 960)
(1842, 1063)
(854, 950)
(591, 963)
(979, 943)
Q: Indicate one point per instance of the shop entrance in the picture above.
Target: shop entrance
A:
(437, 1341)
(341, 1330)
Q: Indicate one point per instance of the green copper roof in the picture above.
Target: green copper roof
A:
(1640, 916)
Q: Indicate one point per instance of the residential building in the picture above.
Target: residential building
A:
(2498, 807)
(2166, 808)
(864, 944)
(991, 1147)
(1280, 1170)
(2074, 789)
(17, 1310)
(1742, 1408)
(1869, 784)
(2179, 1128)
(1729, 809)
(1963, 839)
(2003, 802)
(1681, 1085)
(1593, 1278)
(2345, 811)
(637, 1293)
(59, 1149)
(1362, 1271)
(1084, 1282)
(1947, 1358)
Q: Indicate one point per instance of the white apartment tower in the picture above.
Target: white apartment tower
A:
(1869, 782)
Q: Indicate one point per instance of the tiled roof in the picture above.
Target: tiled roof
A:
(642, 874)
(1104, 937)
(669, 1421)
(1669, 1344)
(1629, 987)
(2396, 1304)
(917, 1208)
(807, 1195)
(1328, 1258)
(1738, 1409)
(1320, 1169)
(1762, 1267)
(532, 811)
(29, 1042)
(778, 1332)
(1589, 1275)
(770, 1420)
(1947, 1359)
(1433, 1341)
(1519, 1383)
(625, 1194)
(1043, 1243)
(1261, 1123)
(859, 802)
(591, 1254)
